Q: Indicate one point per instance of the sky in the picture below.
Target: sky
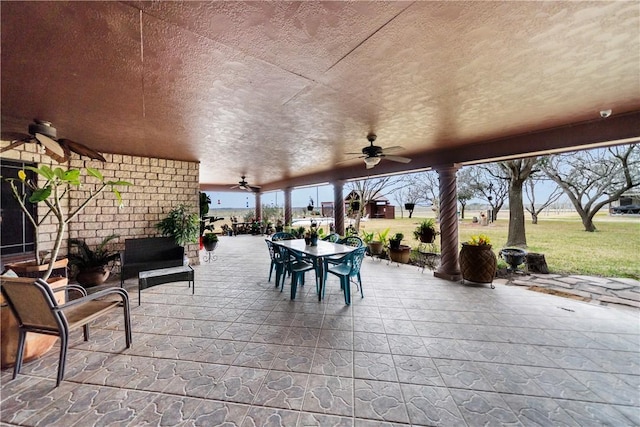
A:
(300, 197)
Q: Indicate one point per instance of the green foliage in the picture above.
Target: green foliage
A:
(204, 204)
(84, 258)
(209, 238)
(382, 236)
(397, 237)
(181, 224)
(426, 225)
(50, 190)
(367, 237)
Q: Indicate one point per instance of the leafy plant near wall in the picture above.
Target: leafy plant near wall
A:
(55, 185)
(182, 224)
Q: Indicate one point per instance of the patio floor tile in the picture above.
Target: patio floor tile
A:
(416, 350)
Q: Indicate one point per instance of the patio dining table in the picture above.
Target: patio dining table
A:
(317, 253)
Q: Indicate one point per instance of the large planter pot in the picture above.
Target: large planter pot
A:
(36, 344)
(400, 255)
(93, 276)
(478, 263)
(375, 248)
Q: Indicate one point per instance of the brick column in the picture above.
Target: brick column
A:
(449, 267)
(287, 206)
(338, 207)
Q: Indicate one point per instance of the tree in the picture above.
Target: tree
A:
(593, 178)
(428, 189)
(408, 192)
(517, 171)
(369, 189)
(529, 191)
(465, 189)
(488, 182)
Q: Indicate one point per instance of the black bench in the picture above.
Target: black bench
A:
(149, 253)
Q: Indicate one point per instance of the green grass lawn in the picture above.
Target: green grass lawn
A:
(612, 251)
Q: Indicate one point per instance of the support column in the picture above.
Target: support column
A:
(338, 207)
(287, 206)
(449, 266)
(258, 206)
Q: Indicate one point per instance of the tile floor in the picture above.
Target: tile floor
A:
(415, 351)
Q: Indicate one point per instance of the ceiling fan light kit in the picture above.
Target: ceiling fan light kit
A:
(372, 154)
(371, 161)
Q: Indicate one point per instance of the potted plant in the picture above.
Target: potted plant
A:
(48, 192)
(477, 261)
(394, 241)
(397, 252)
(91, 264)
(210, 241)
(311, 236)
(376, 247)
(426, 231)
(181, 224)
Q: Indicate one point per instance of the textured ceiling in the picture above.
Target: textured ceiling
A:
(280, 91)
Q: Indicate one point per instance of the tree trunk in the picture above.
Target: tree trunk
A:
(517, 236)
(534, 218)
(587, 222)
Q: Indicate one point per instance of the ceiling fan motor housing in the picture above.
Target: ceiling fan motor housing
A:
(42, 127)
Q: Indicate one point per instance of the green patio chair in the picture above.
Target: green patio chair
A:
(346, 269)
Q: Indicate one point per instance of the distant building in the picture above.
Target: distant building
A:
(376, 208)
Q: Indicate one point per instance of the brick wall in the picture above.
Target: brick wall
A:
(158, 186)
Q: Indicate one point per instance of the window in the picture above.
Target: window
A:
(16, 231)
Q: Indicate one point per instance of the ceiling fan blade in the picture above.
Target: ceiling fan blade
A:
(81, 149)
(13, 145)
(350, 159)
(52, 148)
(392, 149)
(399, 159)
(15, 136)
(352, 154)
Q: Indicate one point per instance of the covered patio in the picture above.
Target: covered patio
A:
(415, 350)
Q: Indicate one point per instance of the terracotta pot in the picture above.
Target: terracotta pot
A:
(93, 277)
(375, 248)
(478, 263)
(400, 255)
(36, 344)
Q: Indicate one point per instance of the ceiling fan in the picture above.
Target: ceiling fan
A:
(43, 133)
(372, 154)
(244, 185)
